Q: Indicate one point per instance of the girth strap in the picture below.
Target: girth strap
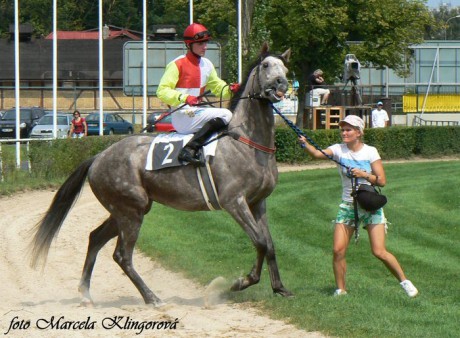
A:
(207, 187)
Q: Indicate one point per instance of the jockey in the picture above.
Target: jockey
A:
(185, 79)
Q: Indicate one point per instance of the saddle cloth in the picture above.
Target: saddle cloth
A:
(165, 148)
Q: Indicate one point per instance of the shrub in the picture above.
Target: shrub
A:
(437, 141)
(392, 143)
(58, 158)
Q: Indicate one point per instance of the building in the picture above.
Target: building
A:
(77, 68)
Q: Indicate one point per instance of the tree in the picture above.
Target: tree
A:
(447, 24)
(319, 31)
(72, 14)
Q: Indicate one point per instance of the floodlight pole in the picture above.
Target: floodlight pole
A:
(101, 71)
(17, 81)
(447, 25)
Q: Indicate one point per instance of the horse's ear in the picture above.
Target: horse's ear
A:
(264, 50)
(286, 55)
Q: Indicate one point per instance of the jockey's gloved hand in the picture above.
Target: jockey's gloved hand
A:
(149, 128)
(192, 100)
(234, 87)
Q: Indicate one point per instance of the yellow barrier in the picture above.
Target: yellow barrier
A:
(435, 103)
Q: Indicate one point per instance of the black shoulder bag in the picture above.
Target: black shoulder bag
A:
(368, 198)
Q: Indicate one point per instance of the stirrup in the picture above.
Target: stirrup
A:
(186, 156)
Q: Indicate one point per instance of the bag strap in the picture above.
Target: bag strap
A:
(354, 183)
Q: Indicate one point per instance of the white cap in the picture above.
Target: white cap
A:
(380, 103)
(354, 121)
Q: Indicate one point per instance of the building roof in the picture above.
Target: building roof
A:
(113, 33)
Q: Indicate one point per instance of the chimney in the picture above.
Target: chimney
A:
(105, 32)
(164, 32)
(25, 32)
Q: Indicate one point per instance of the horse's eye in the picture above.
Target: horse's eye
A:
(265, 64)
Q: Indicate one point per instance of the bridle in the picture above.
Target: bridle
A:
(254, 94)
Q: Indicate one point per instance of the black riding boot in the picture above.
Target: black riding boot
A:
(189, 152)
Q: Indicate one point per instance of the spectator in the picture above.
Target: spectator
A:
(317, 86)
(78, 128)
(380, 116)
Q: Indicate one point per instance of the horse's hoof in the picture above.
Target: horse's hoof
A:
(237, 285)
(86, 302)
(156, 303)
(283, 292)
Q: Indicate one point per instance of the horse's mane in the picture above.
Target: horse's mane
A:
(236, 98)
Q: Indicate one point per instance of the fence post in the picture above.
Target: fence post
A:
(1, 164)
(29, 165)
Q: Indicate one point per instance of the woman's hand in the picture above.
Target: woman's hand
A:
(359, 173)
(302, 141)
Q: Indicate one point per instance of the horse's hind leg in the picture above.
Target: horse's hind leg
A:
(97, 239)
(123, 255)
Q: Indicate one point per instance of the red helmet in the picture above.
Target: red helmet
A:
(196, 33)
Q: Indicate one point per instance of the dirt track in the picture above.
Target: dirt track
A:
(32, 296)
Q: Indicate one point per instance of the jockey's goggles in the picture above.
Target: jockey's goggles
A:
(201, 35)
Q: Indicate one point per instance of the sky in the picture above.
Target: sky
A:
(436, 3)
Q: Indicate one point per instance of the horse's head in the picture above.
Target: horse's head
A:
(269, 76)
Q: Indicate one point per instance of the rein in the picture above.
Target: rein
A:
(354, 180)
(251, 143)
(242, 139)
(313, 143)
(149, 127)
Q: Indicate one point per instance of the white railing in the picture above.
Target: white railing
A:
(418, 121)
(18, 152)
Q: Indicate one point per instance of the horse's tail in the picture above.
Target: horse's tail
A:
(48, 227)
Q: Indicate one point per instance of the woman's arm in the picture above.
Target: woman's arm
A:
(85, 125)
(315, 153)
(71, 130)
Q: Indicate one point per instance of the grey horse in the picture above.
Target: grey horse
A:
(244, 173)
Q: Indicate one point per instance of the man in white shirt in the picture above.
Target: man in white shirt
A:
(379, 116)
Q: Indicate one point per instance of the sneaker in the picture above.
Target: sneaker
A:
(339, 292)
(410, 289)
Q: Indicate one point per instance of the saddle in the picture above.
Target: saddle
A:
(165, 148)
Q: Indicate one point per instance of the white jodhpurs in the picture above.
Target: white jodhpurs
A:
(189, 120)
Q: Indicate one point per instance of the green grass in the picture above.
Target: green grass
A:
(423, 208)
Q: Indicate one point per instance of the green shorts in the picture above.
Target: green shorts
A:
(346, 215)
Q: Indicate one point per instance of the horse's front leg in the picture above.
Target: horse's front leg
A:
(244, 216)
(260, 215)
